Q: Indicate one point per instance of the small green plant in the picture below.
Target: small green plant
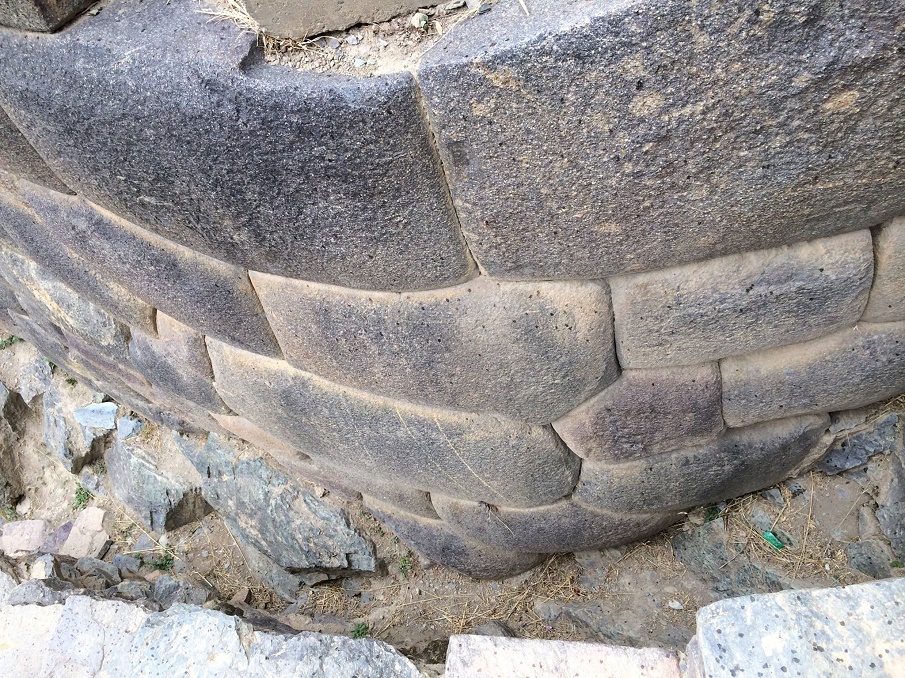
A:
(9, 341)
(8, 513)
(72, 382)
(395, 539)
(82, 497)
(100, 468)
(53, 366)
(711, 513)
(360, 630)
(897, 563)
(164, 561)
(405, 566)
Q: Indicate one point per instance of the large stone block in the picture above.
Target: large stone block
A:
(40, 15)
(481, 457)
(589, 139)
(741, 461)
(307, 175)
(32, 236)
(433, 539)
(205, 293)
(849, 369)
(526, 350)
(887, 296)
(564, 526)
(646, 412)
(304, 18)
(742, 303)
(18, 157)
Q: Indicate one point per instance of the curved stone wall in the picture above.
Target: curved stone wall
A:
(580, 272)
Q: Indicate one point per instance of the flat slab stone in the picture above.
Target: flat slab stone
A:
(23, 537)
(496, 657)
(742, 303)
(590, 139)
(305, 18)
(853, 630)
(845, 370)
(526, 350)
(887, 296)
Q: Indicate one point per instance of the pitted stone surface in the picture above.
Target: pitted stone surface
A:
(887, 296)
(18, 157)
(304, 18)
(40, 15)
(646, 412)
(741, 461)
(526, 350)
(207, 294)
(849, 369)
(481, 457)
(742, 303)
(319, 177)
(589, 139)
(561, 527)
(434, 539)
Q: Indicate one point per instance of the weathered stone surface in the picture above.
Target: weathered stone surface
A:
(852, 630)
(97, 415)
(891, 506)
(168, 592)
(23, 537)
(845, 370)
(89, 536)
(73, 445)
(11, 487)
(741, 303)
(434, 540)
(591, 139)
(494, 657)
(7, 584)
(93, 566)
(853, 447)
(527, 350)
(177, 363)
(31, 235)
(278, 517)
(561, 527)
(16, 154)
(740, 461)
(304, 18)
(40, 15)
(428, 449)
(160, 492)
(284, 584)
(646, 412)
(339, 180)
(887, 296)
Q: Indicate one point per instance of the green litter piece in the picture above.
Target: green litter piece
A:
(773, 541)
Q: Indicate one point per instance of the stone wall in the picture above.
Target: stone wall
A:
(581, 271)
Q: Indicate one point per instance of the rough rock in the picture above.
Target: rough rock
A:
(891, 506)
(740, 461)
(852, 448)
(74, 446)
(17, 156)
(88, 536)
(284, 584)
(340, 182)
(168, 591)
(34, 379)
(11, 487)
(873, 557)
(494, 627)
(43, 592)
(304, 18)
(495, 657)
(741, 303)
(23, 537)
(7, 584)
(887, 295)
(279, 517)
(425, 448)
(97, 415)
(529, 351)
(821, 632)
(45, 567)
(40, 15)
(126, 564)
(57, 538)
(93, 566)
(646, 412)
(589, 139)
(849, 369)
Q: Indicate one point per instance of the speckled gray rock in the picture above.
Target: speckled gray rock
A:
(561, 527)
(526, 350)
(434, 540)
(646, 412)
(339, 180)
(742, 303)
(424, 448)
(853, 630)
(887, 296)
(16, 154)
(40, 15)
(278, 516)
(74, 445)
(845, 370)
(855, 446)
(589, 139)
(304, 18)
(740, 461)
(168, 591)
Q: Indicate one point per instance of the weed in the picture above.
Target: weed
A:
(360, 630)
(164, 561)
(9, 341)
(82, 497)
(897, 563)
(8, 513)
(395, 539)
(53, 366)
(711, 513)
(405, 566)
(100, 468)
(72, 382)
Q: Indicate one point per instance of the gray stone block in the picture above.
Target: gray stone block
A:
(304, 18)
(845, 370)
(741, 303)
(32, 237)
(854, 446)
(17, 156)
(425, 448)
(177, 363)
(887, 296)
(40, 15)
(526, 350)
(319, 177)
(646, 412)
(740, 461)
(562, 527)
(434, 540)
(590, 139)
(213, 297)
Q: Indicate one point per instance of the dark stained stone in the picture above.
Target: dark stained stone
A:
(40, 15)
(308, 175)
(16, 154)
(526, 350)
(594, 138)
(482, 457)
(741, 461)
